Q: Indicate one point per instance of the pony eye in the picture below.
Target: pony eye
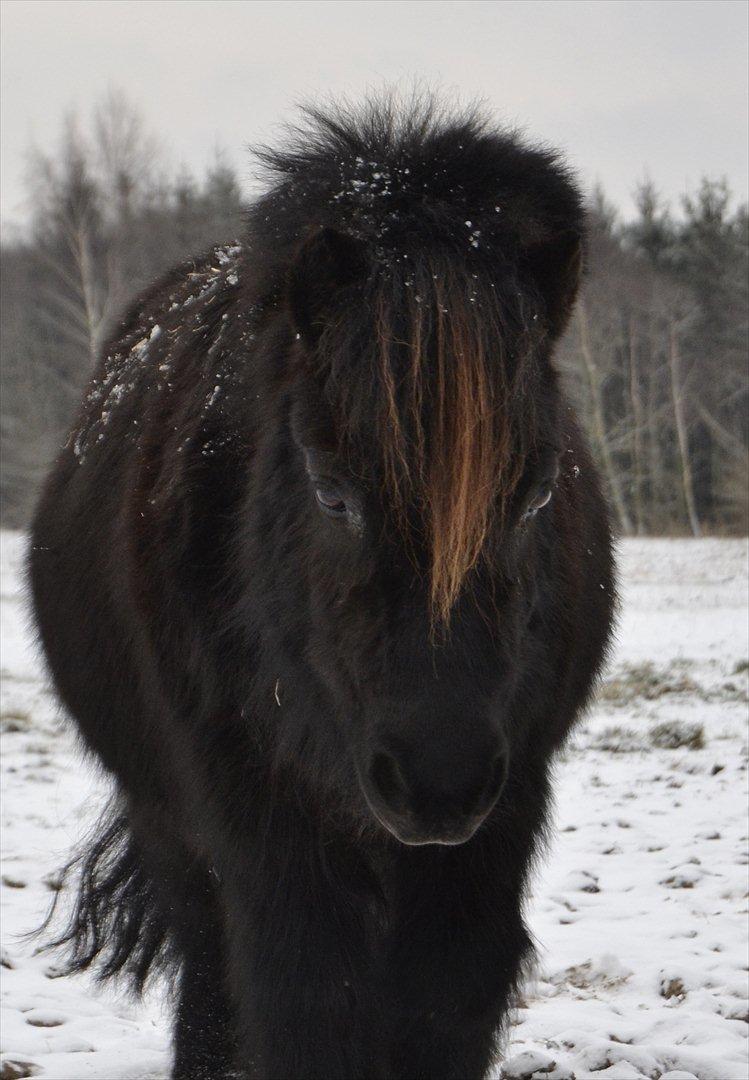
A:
(543, 497)
(330, 502)
(539, 501)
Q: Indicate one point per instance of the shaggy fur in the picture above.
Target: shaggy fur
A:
(300, 587)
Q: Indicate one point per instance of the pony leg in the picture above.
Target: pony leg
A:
(299, 935)
(463, 1052)
(455, 952)
(204, 1031)
(451, 1006)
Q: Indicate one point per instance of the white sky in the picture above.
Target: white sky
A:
(626, 87)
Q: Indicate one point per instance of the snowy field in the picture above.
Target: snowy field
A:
(639, 909)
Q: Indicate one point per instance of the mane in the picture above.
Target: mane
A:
(454, 416)
(439, 329)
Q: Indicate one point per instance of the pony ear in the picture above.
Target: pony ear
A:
(327, 262)
(557, 267)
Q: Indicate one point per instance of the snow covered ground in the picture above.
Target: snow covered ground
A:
(639, 909)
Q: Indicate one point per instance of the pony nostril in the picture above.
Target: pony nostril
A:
(480, 800)
(497, 778)
(388, 781)
(499, 773)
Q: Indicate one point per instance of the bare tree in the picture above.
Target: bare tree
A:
(70, 240)
(677, 397)
(598, 420)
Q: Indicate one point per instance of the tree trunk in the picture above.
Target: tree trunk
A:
(638, 427)
(674, 363)
(599, 423)
(92, 313)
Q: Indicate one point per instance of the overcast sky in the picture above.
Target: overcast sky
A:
(626, 87)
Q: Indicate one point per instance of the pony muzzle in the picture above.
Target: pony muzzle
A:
(416, 809)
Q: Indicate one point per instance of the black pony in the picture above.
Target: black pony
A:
(324, 576)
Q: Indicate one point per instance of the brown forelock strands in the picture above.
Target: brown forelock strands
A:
(453, 413)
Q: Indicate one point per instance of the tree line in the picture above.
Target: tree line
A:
(655, 355)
